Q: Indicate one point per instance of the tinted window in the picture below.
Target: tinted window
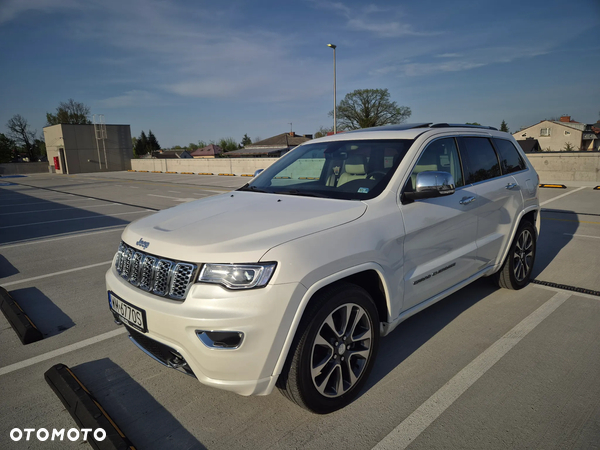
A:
(510, 160)
(482, 162)
(440, 155)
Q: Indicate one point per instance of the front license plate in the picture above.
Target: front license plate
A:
(129, 314)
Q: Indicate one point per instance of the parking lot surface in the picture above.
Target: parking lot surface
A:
(483, 368)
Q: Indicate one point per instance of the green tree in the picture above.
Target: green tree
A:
(41, 147)
(472, 123)
(503, 126)
(365, 108)
(322, 131)
(228, 144)
(152, 142)
(141, 145)
(191, 147)
(202, 144)
(7, 149)
(569, 147)
(245, 140)
(71, 112)
(20, 132)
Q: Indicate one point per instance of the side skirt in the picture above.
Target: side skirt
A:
(388, 327)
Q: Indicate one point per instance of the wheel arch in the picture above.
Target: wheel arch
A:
(368, 276)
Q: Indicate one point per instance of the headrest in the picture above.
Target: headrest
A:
(355, 165)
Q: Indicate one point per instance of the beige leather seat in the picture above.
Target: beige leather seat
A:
(428, 161)
(355, 169)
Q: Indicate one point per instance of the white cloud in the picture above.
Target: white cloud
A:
(382, 22)
(130, 99)
(11, 9)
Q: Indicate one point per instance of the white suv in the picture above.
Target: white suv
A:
(291, 280)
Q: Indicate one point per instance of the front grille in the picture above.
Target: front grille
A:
(156, 275)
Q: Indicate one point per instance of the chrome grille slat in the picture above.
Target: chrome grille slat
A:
(159, 276)
(162, 277)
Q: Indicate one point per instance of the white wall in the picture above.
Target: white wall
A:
(237, 166)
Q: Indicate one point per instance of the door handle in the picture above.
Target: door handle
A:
(467, 200)
(511, 185)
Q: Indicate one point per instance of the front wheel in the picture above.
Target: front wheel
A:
(334, 351)
(516, 270)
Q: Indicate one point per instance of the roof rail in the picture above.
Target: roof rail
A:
(396, 127)
(461, 125)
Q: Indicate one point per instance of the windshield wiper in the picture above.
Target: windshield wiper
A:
(247, 187)
(301, 193)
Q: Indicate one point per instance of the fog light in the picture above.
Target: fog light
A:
(220, 339)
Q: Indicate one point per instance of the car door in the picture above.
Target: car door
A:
(439, 245)
(499, 197)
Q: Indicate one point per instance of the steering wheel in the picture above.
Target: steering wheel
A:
(376, 175)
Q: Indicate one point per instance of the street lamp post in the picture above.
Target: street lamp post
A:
(334, 99)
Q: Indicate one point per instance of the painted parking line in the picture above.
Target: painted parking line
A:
(45, 202)
(61, 351)
(62, 272)
(561, 196)
(175, 199)
(411, 427)
(59, 209)
(97, 216)
(70, 236)
(581, 236)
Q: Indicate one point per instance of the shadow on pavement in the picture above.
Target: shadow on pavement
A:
(25, 217)
(557, 229)
(6, 268)
(47, 317)
(143, 420)
(420, 328)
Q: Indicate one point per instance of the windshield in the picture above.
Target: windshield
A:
(352, 170)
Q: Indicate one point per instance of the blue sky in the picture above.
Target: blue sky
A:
(195, 70)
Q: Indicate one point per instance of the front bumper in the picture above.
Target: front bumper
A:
(263, 315)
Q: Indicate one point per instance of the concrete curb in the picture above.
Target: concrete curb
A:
(85, 409)
(19, 321)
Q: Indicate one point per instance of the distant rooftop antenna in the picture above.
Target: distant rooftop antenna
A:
(100, 132)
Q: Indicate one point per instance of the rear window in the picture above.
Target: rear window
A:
(510, 159)
(482, 162)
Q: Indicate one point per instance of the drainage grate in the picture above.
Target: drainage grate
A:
(567, 287)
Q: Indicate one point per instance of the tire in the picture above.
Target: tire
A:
(516, 270)
(334, 350)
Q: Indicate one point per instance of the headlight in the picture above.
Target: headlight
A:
(237, 276)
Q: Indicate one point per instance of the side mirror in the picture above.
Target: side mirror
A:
(257, 172)
(431, 184)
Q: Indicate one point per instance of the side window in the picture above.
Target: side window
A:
(440, 155)
(482, 162)
(510, 159)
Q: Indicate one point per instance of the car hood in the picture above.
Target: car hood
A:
(236, 227)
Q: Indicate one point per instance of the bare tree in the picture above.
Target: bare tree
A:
(365, 108)
(71, 112)
(20, 132)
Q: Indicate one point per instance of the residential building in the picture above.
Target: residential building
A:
(272, 147)
(563, 134)
(171, 154)
(210, 151)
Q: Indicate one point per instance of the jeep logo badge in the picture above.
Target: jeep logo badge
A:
(142, 243)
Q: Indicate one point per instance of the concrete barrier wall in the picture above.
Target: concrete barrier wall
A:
(24, 168)
(564, 167)
(236, 166)
(553, 167)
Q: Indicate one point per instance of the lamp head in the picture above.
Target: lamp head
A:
(332, 46)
